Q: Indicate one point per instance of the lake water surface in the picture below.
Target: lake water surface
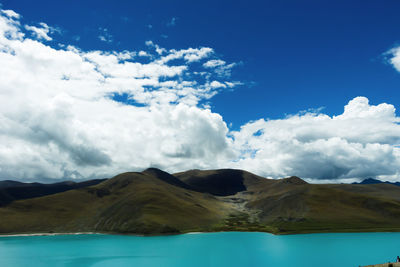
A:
(201, 250)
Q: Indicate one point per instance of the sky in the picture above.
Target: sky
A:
(90, 89)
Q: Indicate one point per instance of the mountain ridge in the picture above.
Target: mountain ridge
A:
(376, 181)
(156, 202)
(13, 190)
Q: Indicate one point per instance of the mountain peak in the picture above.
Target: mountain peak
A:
(166, 177)
(371, 181)
(294, 180)
(154, 170)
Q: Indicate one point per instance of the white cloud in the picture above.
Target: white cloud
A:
(159, 50)
(233, 84)
(395, 57)
(41, 32)
(214, 63)
(189, 55)
(225, 70)
(9, 26)
(220, 66)
(143, 54)
(11, 14)
(217, 84)
(60, 120)
(361, 142)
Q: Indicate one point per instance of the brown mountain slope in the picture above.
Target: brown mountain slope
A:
(301, 207)
(129, 202)
(154, 202)
(291, 205)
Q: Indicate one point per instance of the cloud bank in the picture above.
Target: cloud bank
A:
(363, 141)
(69, 113)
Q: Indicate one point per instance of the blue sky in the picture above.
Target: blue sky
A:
(93, 88)
(295, 55)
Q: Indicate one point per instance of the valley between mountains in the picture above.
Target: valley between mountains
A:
(155, 202)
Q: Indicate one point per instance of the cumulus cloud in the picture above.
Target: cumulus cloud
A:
(361, 142)
(190, 55)
(60, 117)
(11, 14)
(143, 54)
(40, 32)
(217, 84)
(214, 63)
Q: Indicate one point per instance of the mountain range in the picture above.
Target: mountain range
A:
(155, 202)
(376, 181)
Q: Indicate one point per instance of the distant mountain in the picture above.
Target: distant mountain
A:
(156, 202)
(376, 181)
(10, 183)
(13, 190)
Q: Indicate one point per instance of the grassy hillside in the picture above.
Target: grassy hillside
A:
(155, 202)
(127, 203)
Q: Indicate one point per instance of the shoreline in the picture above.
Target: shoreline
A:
(50, 234)
(187, 233)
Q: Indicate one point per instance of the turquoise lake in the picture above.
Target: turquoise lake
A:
(202, 250)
